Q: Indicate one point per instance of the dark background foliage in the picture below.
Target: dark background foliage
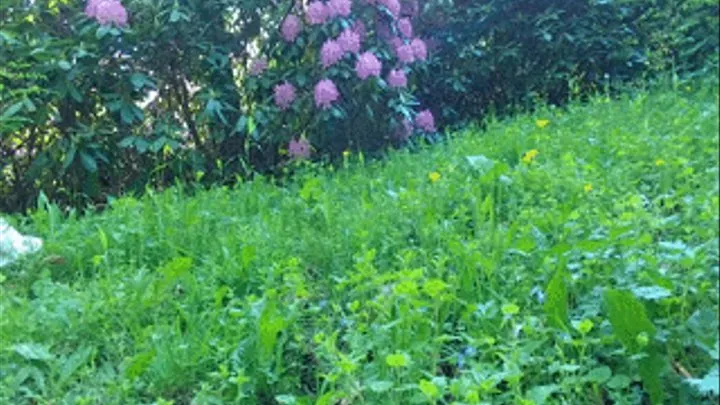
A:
(88, 112)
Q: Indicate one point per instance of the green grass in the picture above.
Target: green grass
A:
(588, 274)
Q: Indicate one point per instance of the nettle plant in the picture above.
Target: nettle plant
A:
(337, 75)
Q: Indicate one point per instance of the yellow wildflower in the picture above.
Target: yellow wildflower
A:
(588, 188)
(346, 154)
(434, 176)
(530, 155)
(659, 162)
(542, 123)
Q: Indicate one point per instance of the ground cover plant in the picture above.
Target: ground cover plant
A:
(564, 256)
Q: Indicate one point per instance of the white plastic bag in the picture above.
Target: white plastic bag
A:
(13, 244)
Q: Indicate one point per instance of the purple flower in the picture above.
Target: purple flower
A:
(258, 66)
(367, 65)
(317, 12)
(397, 78)
(419, 49)
(325, 93)
(291, 28)
(339, 8)
(299, 149)
(393, 6)
(349, 41)
(405, 53)
(284, 95)
(91, 8)
(330, 53)
(425, 120)
(405, 27)
(107, 12)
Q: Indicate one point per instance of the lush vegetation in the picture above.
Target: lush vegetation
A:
(98, 98)
(565, 256)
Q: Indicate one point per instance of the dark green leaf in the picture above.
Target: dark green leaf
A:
(70, 157)
(88, 162)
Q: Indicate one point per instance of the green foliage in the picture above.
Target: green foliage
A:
(556, 306)
(89, 112)
(629, 320)
(382, 283)
(636, 332)
(495, 56)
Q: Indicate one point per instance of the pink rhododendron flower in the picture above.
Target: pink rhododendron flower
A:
(405, 53)
(107, 12)
(317, 12)
(367, 65)
(284, 95)
(258, 66)
(419, 49)
(349, 41)
(91, 8)
(291, 27)
(339, 8)
(393, 6)
(299, 149)
(325, 93)
(397, 78)
(405, 27)
(330, 53)
(425, 120)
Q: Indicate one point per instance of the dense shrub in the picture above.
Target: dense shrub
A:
(503, 53)
(97, 100)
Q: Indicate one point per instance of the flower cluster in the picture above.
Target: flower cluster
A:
(284, 95)
(349, 41)
(291, 28)
(326, 93)
(368, 65)
(397, 78)
(107, 12)
(425, 121)
(330, 53)
(299, 149)
(318, 12)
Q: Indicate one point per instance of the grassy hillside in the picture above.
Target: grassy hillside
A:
(568, 256)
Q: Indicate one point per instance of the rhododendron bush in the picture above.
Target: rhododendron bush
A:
(337, 75)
